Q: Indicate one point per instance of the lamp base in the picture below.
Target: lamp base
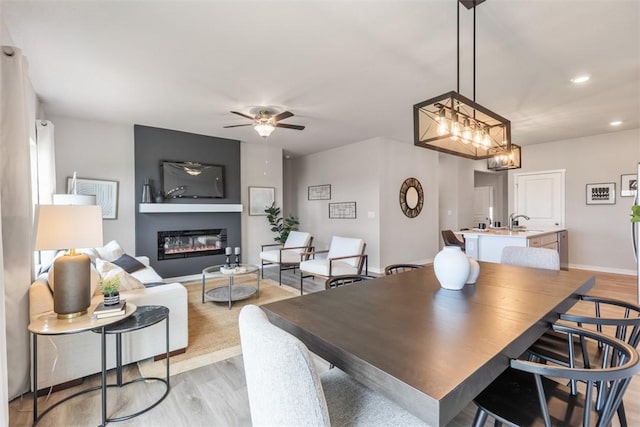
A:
(72, 286)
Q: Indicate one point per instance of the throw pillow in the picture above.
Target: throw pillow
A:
(109, 270)
(129, 263)
(110, 252)
(91, 253)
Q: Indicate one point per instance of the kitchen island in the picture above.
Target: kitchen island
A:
(486, 245)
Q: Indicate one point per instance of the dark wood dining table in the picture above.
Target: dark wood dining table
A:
(429, 349)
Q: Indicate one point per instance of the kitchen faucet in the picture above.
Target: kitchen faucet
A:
(513, 217)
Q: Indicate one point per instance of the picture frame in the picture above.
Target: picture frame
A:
(319, 192)
(106, 193)
(260, 198)
(601, 193)
(628, 185)
(342, 210)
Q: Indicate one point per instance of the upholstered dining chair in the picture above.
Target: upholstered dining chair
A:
(531, 393)
(401, 268)
(287, 255)
(345, 279)
(525, 256)
(285, 388)
(450, 239)
(344, 256)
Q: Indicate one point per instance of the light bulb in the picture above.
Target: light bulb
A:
(466, 131)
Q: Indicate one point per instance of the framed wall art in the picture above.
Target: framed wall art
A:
(319, 192)
(601, 194)
(342, 210)
(628, 185)
(106, 193)
(260, 198)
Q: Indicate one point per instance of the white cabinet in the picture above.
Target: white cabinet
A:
(487, 246)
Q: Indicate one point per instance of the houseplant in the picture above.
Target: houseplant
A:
(279, 225)
(635, 213)
(109, 288)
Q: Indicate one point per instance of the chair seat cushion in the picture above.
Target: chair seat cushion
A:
(288, 257)
(320, 267)
(352, 404)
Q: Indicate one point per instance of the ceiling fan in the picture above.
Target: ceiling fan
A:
(266, 121)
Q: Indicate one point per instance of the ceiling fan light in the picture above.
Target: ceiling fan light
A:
(264, 129)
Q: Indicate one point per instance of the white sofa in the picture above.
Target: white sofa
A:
(64, 358)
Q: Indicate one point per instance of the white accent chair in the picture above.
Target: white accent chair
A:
(285, 389)
(288, 255)
(344, 256)
(525, 256)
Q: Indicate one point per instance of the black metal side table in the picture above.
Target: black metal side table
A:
(143, 317)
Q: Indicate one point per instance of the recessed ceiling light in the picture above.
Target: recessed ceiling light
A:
(615, 123)
(580, 79)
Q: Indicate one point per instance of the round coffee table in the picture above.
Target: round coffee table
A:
(231, 292)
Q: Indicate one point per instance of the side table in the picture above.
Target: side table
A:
(49, 324)
(231, 292)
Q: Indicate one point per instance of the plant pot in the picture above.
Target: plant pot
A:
(112, 298)
(451, 267)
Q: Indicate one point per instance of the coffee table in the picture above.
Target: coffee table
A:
(230, 292)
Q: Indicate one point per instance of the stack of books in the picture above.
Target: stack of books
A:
(103, 311)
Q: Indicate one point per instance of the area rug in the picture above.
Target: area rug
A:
(213, 328)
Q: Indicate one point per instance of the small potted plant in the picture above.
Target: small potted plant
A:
(109, 289)
(635, 213)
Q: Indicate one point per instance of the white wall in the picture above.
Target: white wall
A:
(599, 235)
(455, 192)
(100, 150)
(261, 166)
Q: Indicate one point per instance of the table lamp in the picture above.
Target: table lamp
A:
(69, 227)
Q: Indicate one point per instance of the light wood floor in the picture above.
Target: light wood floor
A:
(215, 395)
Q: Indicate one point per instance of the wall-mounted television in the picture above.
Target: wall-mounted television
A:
(192, 180)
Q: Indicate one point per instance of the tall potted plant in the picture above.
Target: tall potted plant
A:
(279, 225)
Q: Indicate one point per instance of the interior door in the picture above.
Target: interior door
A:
(482, 204)
(540, 196)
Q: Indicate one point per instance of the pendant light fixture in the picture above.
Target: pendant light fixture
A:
(453, 124)
(506, 160)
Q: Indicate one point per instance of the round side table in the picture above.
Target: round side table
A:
(231, 292)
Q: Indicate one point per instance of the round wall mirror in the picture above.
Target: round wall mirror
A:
(411, 197)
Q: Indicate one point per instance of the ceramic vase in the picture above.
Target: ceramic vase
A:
(474, 271)
(451, 267)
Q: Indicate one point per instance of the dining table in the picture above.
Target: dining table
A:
(428, 349)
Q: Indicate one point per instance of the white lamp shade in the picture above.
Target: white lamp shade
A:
(68, 226)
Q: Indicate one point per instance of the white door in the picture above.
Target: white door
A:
(540, 196)
(482, 205)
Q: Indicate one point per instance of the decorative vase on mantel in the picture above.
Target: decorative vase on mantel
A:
(451, 267)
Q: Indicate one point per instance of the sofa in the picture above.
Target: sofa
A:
(64, 358)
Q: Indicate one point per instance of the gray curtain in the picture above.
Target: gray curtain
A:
(15, 219)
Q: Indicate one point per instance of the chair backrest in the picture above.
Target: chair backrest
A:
(283, 385)
(298, 239)
(450, 239)
(344, 246)
(525, 256)
(401, 268)
(345, 279)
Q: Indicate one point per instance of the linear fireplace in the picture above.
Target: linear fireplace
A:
(191, 243)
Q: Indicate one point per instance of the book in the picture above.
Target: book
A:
(101, 310)
(109, 314)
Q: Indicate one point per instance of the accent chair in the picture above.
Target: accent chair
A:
(287, 256)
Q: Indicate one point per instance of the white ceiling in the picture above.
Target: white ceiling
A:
(348, 70)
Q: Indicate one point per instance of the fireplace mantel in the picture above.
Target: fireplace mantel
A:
(187, 208)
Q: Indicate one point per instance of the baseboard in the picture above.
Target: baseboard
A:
(58, 387)
(171, 354)
(603, 269)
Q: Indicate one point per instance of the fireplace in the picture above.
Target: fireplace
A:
(191, 243)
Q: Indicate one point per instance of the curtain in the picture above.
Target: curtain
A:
(15, 223)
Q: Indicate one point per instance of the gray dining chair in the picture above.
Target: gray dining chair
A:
(401, 268)
(525, 256)
(533, 394)
(285, 389)
(345, 279)
(450, 239)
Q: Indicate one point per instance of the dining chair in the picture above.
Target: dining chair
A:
(287, 256)
(401, 268)
(531, 393)
(346, 255)
(345, 279)
(450, 239)
(285, 388)
(525, 256)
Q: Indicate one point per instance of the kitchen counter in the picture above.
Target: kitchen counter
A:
(487, 245)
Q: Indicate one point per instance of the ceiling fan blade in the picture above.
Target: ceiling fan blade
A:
(286, 126)
(243, 115)
(283, 115)
(236, 126)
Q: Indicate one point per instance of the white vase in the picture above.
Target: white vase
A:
(451, 266)
(474, 271)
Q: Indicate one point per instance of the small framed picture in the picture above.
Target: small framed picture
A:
(601, 194)
(319, 192)
(342, 210)
(628, 185)
(260, 198)
(106, 193)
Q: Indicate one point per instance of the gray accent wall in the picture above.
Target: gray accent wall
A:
(154, 145)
